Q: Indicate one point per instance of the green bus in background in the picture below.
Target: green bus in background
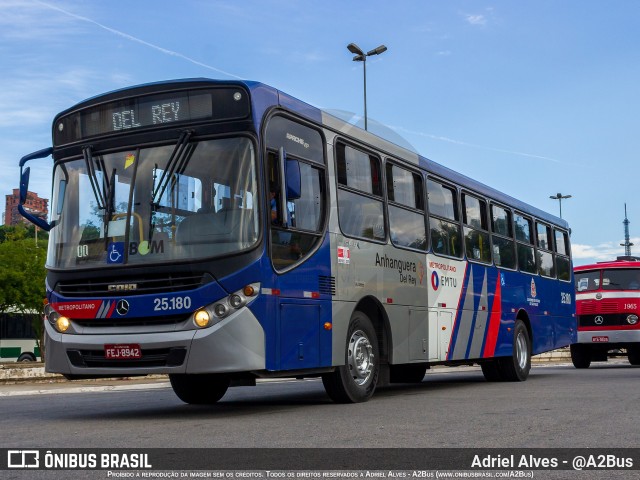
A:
(18, 337)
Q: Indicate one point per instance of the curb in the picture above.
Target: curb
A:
(33, 372)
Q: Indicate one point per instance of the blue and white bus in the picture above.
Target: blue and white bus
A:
(222, 232)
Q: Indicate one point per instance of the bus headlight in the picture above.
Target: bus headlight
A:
(632, 319)
(226, 306)
(57, 321)
(62, 324)
(202, 318)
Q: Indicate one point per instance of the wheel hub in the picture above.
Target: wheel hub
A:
(360, 358)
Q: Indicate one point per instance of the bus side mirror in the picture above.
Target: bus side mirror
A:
(24, 185)
(24, 189)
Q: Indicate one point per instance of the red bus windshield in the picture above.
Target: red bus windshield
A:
(608, 279)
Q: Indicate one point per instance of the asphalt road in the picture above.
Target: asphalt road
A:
(557, 407)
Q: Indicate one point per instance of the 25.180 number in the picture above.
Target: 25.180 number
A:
(171, 303)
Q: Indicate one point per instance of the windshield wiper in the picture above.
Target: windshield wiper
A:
(176, 164)
(93, 178)
(110, 201)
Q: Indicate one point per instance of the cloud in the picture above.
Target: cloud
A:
(477, 19)
(138, 40)
(472, 145)
(585, 254)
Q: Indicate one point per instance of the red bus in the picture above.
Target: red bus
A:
(608, 309)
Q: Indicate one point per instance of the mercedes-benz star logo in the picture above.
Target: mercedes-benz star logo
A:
(599, 320)
(122, 307)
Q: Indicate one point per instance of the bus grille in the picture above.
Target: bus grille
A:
(132, 322)
(327, 285)
(160, 357)
(609, 307)
(590, 307)
(102, 287)
(604, 320)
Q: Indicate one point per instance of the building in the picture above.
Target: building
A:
(34, 204)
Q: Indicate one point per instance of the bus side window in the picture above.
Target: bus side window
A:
(444, 225)
(504, 252)
(476, 230)
(563, 262)
(524, 238)
(544, 243)
(360, 207)
(406, 208)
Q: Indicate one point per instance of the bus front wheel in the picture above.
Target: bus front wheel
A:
(204, 389)
(580, 355)
(633, 354)
(355, 381)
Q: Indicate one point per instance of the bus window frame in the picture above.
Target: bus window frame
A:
(567, 247)
(531, 243)
(511, 238)
(391, 162)
(549, 230)
(456, 190)
(481, 199)
(323, 166)
(383, 190)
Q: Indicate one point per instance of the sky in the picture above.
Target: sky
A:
(531, 98)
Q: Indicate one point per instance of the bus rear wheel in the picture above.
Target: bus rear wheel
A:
(491, 370)
(633, 354)
(356, 380)
(411, 373)
(204, 389)
(516, 367)
(580, 355)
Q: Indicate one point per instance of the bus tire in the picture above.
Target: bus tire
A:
(491, 371)
(516, 367)
(204, 389)
(580, 355)
(26, 357)
(410, 373)
(633, 354)
(356, 380)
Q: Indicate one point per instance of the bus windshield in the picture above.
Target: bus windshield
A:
(150, 205)
(612, 279)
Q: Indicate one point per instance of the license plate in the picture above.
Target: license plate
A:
(600, 339)
(122, 352)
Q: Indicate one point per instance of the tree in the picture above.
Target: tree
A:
(22, 276)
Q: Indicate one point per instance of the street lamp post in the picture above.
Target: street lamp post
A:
(360, 56)
(559, 197)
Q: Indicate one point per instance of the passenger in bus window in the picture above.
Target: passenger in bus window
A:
(274, 204)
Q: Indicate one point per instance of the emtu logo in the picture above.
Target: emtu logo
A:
(435, 280)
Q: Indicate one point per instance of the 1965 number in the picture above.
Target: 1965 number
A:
(171, 303)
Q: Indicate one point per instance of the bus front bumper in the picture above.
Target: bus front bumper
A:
(236, 344)
(608, 336)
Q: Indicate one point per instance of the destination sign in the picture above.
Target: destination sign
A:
(151, 111)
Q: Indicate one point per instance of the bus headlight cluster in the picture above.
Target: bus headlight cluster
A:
(632, 319)
(212, 314)
(59, 322)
